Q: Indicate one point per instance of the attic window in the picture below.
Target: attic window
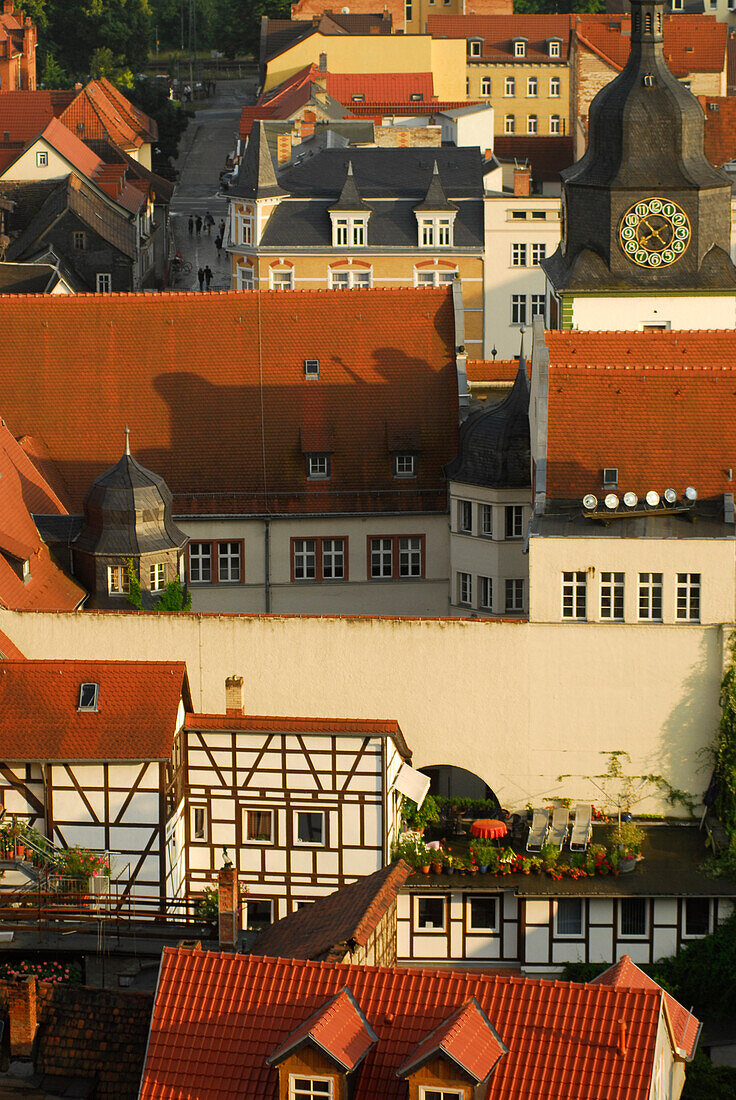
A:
(519, 47)
(311, 368)
(88, 695)
(475, 47)
(417, 96)
(610, 477)
(42, 160)
(553, 47)
(358, 98)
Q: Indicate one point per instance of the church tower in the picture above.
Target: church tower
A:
(646, 218)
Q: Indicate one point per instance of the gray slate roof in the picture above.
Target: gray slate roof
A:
(387, 173)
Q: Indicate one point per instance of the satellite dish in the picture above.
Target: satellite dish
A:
(631, 500)
(670, 496)
(690, 493)
(611, 501)
(589, 501)
(652, 498)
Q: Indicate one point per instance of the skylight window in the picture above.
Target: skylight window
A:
(311, 368)
(88, 696)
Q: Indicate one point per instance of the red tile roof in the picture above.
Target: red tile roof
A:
(136, 716)
(338, 1028)
(192, 398)
(258, 723)
(563, 1038)
(9, 650)
(23, 490)
(376, 111)
(305, 9)
(24, 114)
(492, 370)
(661, 406)
(625, 974)
(546, 155)
(328, 927)
(467, 1038)
(281, 102)
(380, 87)
(692, 43)
(498, 32)
(720, 128)
(70, 147)
(106, 113)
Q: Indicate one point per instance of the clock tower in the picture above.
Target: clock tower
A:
(646, 217)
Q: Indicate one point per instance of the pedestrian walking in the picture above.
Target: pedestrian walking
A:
(200, 276)
(222, 229)
(209, 221)
(198, 224)
(207, 277)
(191, 225)
(218, 246)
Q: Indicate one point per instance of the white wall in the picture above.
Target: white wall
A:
(518, 704)
(614, 313)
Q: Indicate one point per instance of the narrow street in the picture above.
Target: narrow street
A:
(208, 140)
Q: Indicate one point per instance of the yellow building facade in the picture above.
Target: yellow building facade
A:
(531, 98)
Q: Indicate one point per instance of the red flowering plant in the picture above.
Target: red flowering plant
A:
(81, 863)
(46, 971)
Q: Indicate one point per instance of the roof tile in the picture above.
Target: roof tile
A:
(625, 974)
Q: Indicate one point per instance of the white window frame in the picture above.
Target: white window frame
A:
(465, 589)
(696, 935)
(485, 521)
(281, 280)
(485, 593)
(199, 558)
(569, 935)
(226, 556)
(310, 843)
(553, 49)
(475, 47)
(246, 224)
(157, 576)
(351, 279)
(532, 87)
(103, 282)
(537, 305)
(358, 232)
(518, 309)
(519, 47)
(42, 159)
(118, 583)
(555, 124)
(516, 592)
(427, 1091)
(465, 516)
(486, 85)
(434, 276)
(409, 555)
(555, 87)
(318, 466)
(532, 124)
(256, 840)
(509, 124)
(518, 254)
(405, 464)
(92, 703)
(538, 253)
(648, 584)
(304, 551)
(513, 521)
(575, 595)
(613, 591)
(341, 229)
(380, 563)
(246, 279)
(430, 897)
(633, 935)
(509, 87)
(436, 232)
(688, 597)
(469, 913)
(332, 554)
(310, 1078)
(194, 810)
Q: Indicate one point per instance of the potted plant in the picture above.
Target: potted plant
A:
(526, 865)
(448, 862)
(626, 840)
(550, 854)
(535, 865)
(418, 817)
(484, 853)
(437, 862)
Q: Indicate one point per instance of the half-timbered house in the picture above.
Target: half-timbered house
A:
(88, 753)
(303, 805)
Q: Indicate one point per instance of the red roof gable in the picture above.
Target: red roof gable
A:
(692, 43)
(562, 1037)
(9, 650)
(380, 87)
(339, 1029)
(191, 393)
(720, 128)
(625, 974)
(305, 9)
(467, 1038)
(498, 31)
(660, 406)
(136, 717)
(23, 491)
(79, 155)
(282, 102)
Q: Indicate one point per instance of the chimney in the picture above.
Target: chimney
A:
(22, 1009)
(307, 130)
(228, 906)
(622, 1038)
(234, 695)
(522, 181)
(322, 61)
(78, 87)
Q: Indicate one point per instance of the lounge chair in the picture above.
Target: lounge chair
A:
(558, 832)
(582, 827)
(537, 830)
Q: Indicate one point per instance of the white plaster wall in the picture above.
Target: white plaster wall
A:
(518, 704)
(614, 313)
(496, 557)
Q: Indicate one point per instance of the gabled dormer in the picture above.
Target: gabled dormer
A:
(321, 1056)
(435, 215)
(518, 46)
(456, 1058)
(350, 215)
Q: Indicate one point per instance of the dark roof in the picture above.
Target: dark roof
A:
(128, 511)
(435, 199)
(328, 927)
(548, 156)
(278, 35)
(58, 530)
(257, 173)
(494, 448)
(387, 173)
(350, 198)
(27, 278)
(306, 223)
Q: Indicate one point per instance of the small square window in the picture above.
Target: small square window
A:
(259, 826)
(310, 827)
(633, 917)
(42, 160)
(405, 465)
(569, 917)
(88, 696)
(79, 240)
(311, 368)
(157, 576)
(198, 822)
(696, 917)
(610, 477)
(431, 914)
(258, 915)
(483, 913)
(318, 466)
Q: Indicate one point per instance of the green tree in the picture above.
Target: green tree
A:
(237, 24)
(53, 75)
(171, 118)
(104, 63)
(723, 749)
(558, 7)
(77, 28)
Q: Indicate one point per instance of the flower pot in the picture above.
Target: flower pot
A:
(626, 865)
(474, 870)
(484, 868)
(436, 868)
(425, 868)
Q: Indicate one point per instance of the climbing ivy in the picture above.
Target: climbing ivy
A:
(173, 597)
(723, 750)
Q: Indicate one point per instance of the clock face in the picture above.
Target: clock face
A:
(654, 232)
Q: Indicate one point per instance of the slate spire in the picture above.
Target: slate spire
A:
(350, 196)
(435, 199)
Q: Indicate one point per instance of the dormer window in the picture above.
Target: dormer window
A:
(475, 47)
(358, 97)
(311, 368)
(417, 97)
(301, 1088)
(118, 583)
(610, 477)
(554, 47)
(435, 232)
(349, 231)
(519, 47)
(405, 465)
(88, 696)
(318, 466)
